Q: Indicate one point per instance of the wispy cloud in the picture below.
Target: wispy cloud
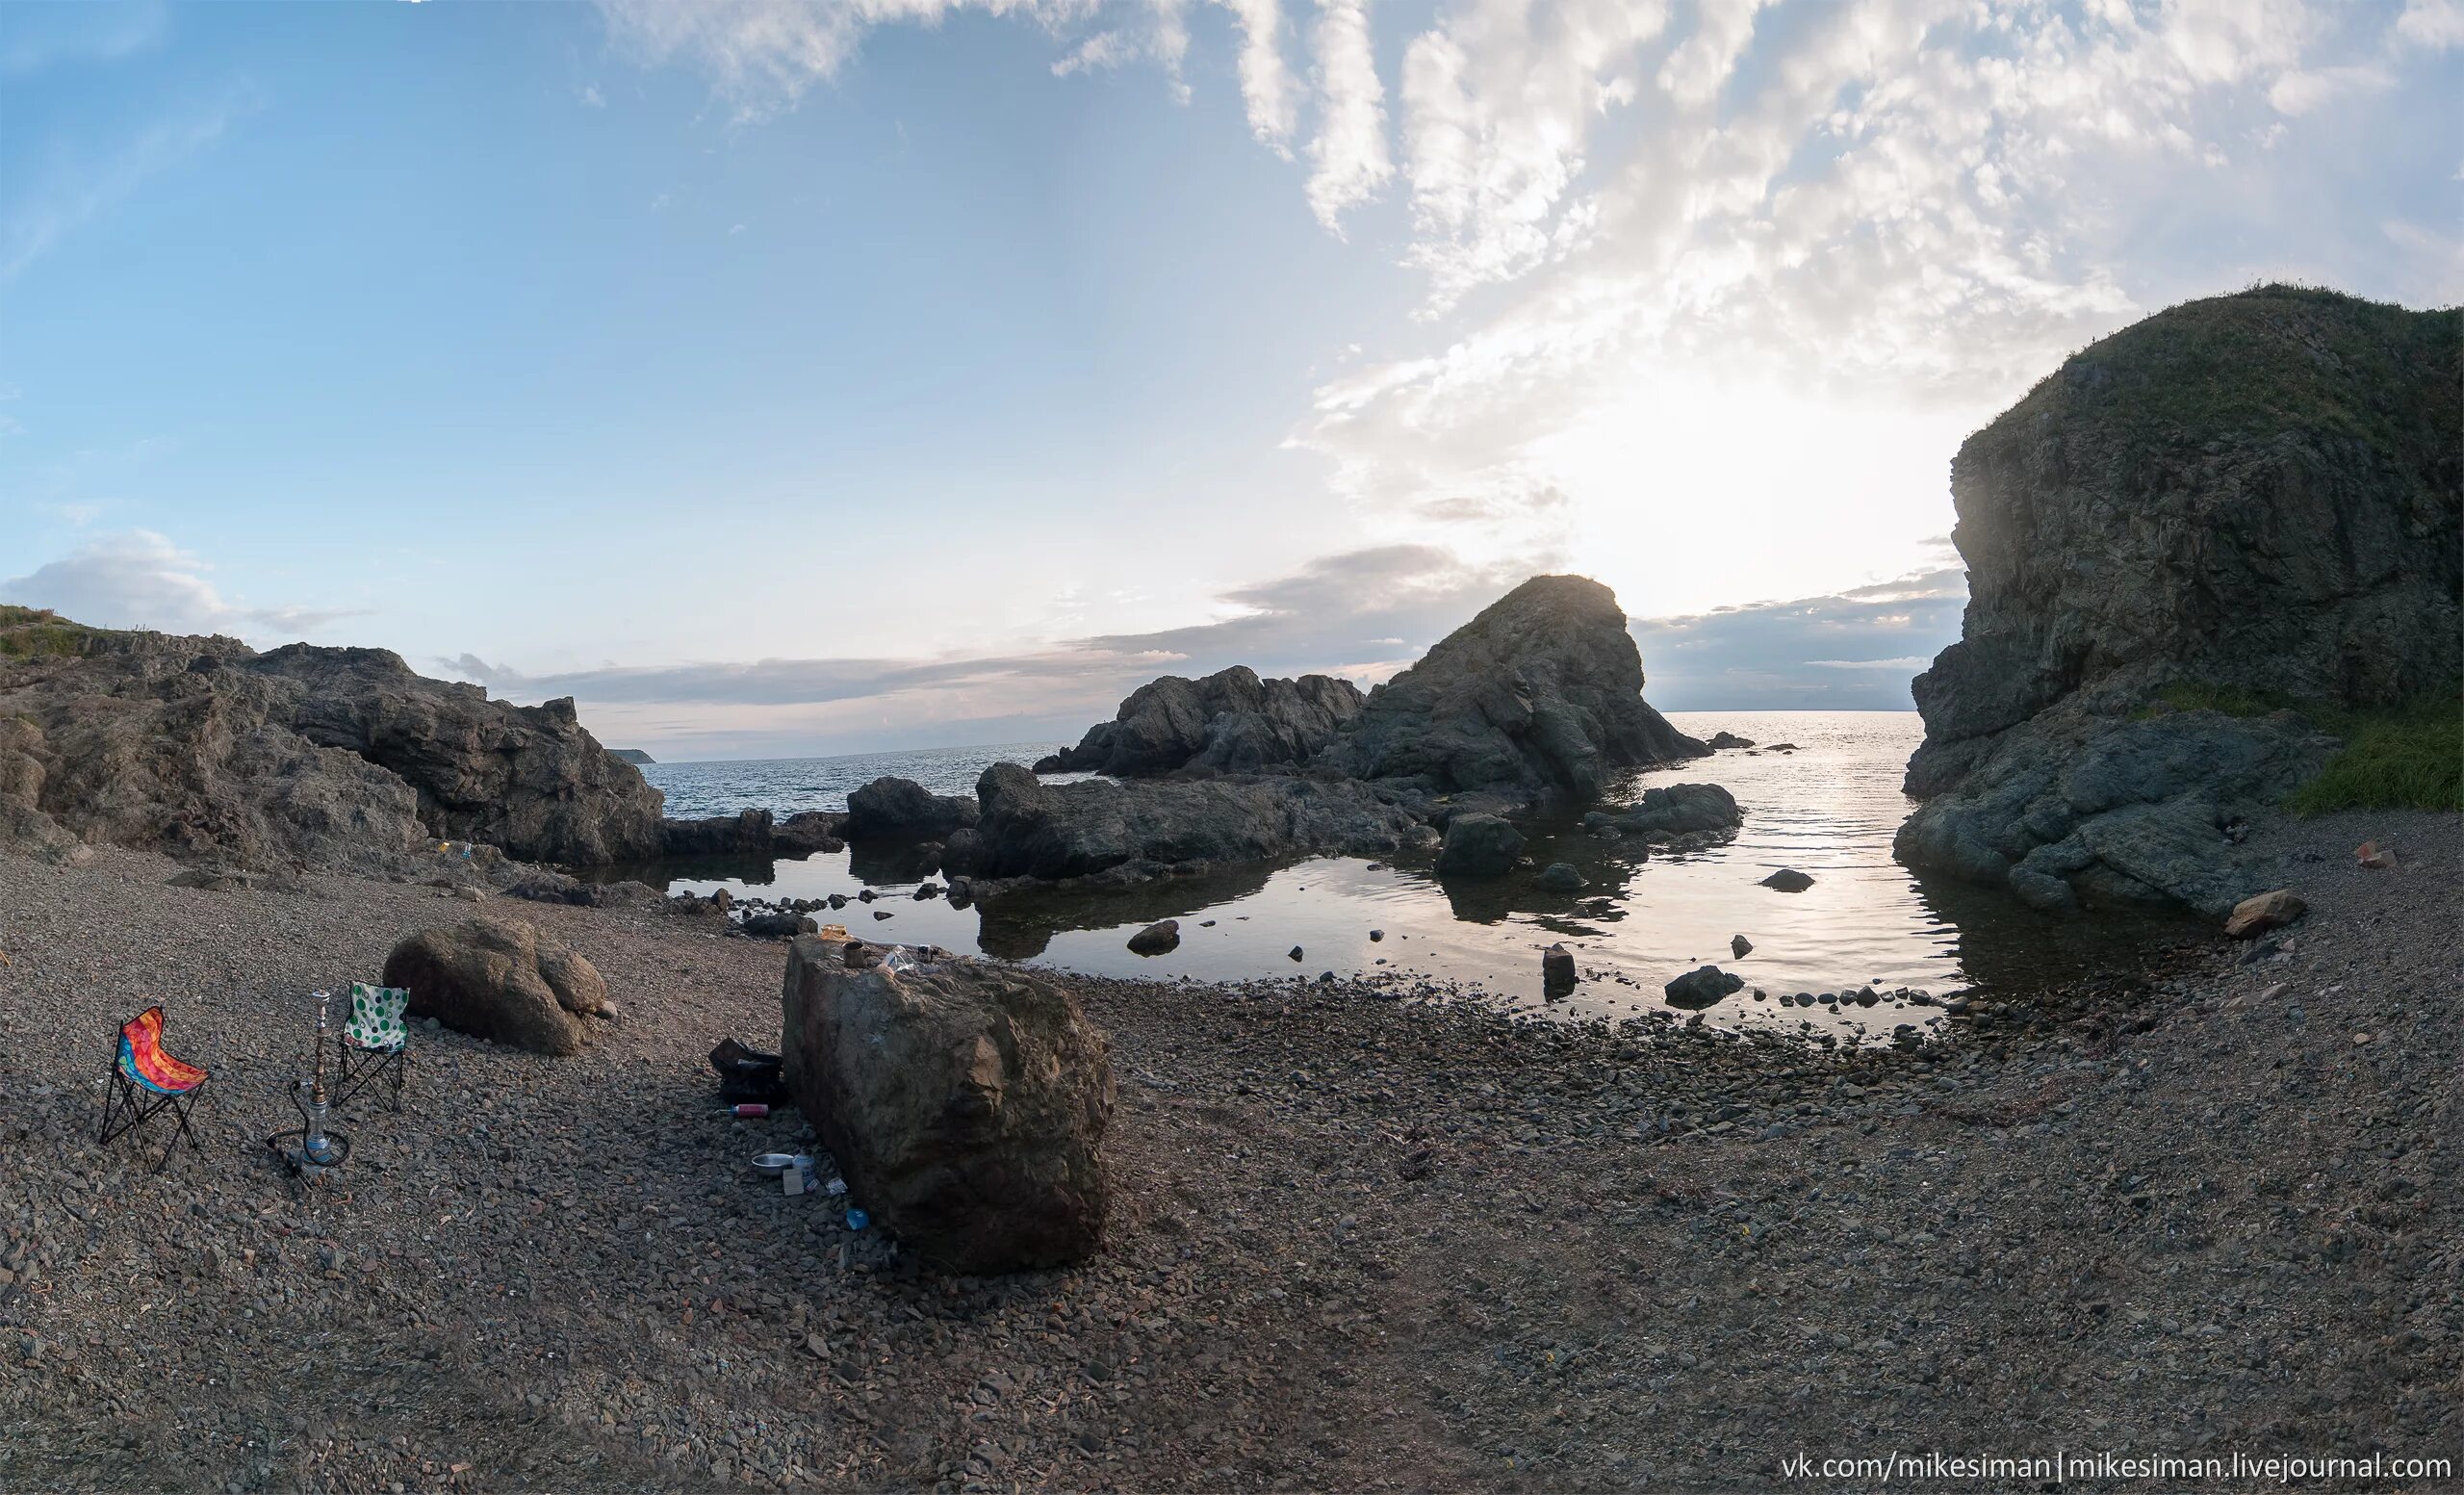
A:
(1349, 159)
(69, 187)
(138, 579)
(42, 37)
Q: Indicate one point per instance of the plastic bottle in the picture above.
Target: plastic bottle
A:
(856, 1220)
(749, 1108)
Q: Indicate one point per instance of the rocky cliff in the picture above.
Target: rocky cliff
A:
(209, 750)
(1541, 693)
(1228, 722)
(2254, 495)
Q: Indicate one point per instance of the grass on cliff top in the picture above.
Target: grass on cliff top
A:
(2406, 757)
(39, 633)
(2268, 360)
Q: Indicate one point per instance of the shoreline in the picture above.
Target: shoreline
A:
(1358, 1243)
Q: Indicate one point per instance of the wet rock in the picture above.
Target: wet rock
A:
(1728, 739)
(1149, 828)
(1557, 970)
(1740, 946)
(746, 833)
(499, 979)
(2255, 915)
(901, 810)
(966, 1104)
(1480, 845)
(1561, 877)
(1295, 953)
(806, 832)
(1701, 987)
(1157, 937)
(1788, 880)
(1229, 722)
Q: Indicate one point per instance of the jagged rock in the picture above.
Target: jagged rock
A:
(2255, 915)
(1701, 987)
(496, 979)
(806, 832)
(1480, 845)
(1561, 877)
(1150, 828)
(902, 809)
(746, 833)
(2254, 495)
(1542, 692)
(1788, 880)
(1228, 722)
(1670, 812)
(965, 1102)
(1157, 937)
(336, 758)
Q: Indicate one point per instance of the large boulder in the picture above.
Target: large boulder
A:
(1130, 830)
(748, 833)
(1670, 812)
(1541, 693)
(334, 757)
(964, 1101)
(502, 980)
(1228, 722)
(902, 809)
(2241, 500)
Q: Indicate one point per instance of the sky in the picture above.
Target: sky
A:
(826, 376)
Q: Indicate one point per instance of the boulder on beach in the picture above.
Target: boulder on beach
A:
(1701, 987)
(1557, 970)
(1157, 937)
(503, 980)
(2239, 502)
(1541, 693)
(2255, 915)
(1228, 722)
(965, 1102)
(1480, 845)
(902, 809)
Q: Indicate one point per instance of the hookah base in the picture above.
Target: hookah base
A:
(290, 1147)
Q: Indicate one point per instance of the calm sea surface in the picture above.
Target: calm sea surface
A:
(1828, 809)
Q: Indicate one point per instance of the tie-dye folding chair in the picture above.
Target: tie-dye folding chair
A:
(376, 1041)
(144, 1082)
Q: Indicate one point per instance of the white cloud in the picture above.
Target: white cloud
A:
(2303, 93)
(1265, 84)
(139, 580)
(2435, 24)
(1347, 155)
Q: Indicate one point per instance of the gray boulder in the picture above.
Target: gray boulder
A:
(499, 979)
(1561, 877)
(1701, 987)
(902, 809)
(965, 1102)
(746, 833)
(1228, 722)
(1132, 830)
(1788, 880)
(1541, 693)
(1480, 845)
(1671, 811)
(1156, 938)
(2252, 497)
(806, 832)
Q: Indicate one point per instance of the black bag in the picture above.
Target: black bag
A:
(748, 1075)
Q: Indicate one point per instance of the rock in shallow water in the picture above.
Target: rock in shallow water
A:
(1788, 880)
(1561, 877)
(1701, 987)
(1157, 937)
(1480, 845)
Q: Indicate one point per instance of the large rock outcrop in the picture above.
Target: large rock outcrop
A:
(503, 980)
(1229, 722)
(1030, 829)
(2256, 495)
(207, 750)
(965, 1102)
(1541, 693)
(902, 809)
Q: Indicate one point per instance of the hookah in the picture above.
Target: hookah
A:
(311, 1149)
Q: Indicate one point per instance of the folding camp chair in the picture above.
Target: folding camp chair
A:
(144, 1082)
(374, 1041)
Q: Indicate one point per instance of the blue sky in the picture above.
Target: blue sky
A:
(785, 377)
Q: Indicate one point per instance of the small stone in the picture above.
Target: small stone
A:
(1740, 946)
(2256, 915)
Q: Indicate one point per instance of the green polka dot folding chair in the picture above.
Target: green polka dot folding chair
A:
(146, 1081)
(376, 1041)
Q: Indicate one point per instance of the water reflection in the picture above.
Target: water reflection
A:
(1644, 916)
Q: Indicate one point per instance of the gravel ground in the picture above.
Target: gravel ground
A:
(1363, 1239)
